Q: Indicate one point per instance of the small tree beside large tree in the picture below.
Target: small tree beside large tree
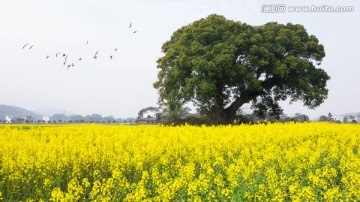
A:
(219, 65)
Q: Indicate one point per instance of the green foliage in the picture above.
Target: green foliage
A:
(174, 116)
(219, 65)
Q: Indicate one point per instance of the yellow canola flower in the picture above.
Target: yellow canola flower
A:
(264, 162)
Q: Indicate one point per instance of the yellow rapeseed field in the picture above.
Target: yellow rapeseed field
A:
(292, 161)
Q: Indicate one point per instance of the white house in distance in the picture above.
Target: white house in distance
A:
(46, 119)
(8, 119)
(149, 117)
(351, 119)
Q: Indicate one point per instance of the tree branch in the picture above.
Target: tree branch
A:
(244, 98)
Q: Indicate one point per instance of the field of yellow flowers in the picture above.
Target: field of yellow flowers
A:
(292, 161)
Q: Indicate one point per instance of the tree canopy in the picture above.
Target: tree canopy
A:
(142, 111)
(219, 65)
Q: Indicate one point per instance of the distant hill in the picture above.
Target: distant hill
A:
(8, 110)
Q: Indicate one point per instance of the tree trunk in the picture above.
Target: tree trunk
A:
(220, 115)
(218, 111)
(245, 97)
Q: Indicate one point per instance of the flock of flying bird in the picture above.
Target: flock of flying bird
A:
(65, 56)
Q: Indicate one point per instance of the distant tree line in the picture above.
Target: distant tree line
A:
(94, 118)
(183, 115)
(63, 119)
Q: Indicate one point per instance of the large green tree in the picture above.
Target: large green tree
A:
(219, 65)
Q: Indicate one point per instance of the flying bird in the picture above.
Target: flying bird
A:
(31, 46)
(25, 45)
(87, 42)
(96, 52)
(134, 32)
(57, 54)
(115, 49)
(95, 57)
(47, 57)
(80, 59)
(111, 57)
(64, 55)
(64, 63)
(130, 25)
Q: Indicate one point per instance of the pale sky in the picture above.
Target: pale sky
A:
(122, 86)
